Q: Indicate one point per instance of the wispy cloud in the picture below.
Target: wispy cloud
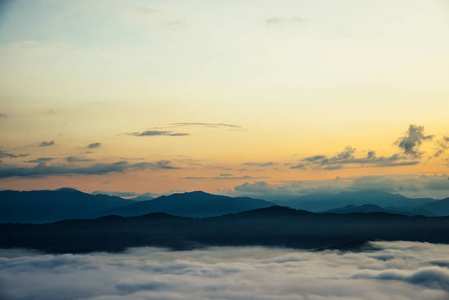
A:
(260, 164)
(77, 159)
(46, 144)
(43, 170)
(3, 115)
(4, 154)
(157, 133)
(41, 160)
(94, 145)
(225, 177)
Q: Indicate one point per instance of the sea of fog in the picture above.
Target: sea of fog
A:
(400, 270)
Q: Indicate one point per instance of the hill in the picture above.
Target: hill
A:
(324, 202)
(272, 226)
(50, 206)
(191, 204)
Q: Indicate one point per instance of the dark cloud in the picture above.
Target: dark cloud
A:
(228, 273)
(314, 158)
(227, 177)
(411, 142)
(211, 125)
(4, 154)
(43, 170)
(41, 160)
(347, 156)
(94, 145)
(46, 144)
(299, 166)
(3, 115)
(442, 145)
(77, 159)
(260, 164)
(331, 168)
(157, 133)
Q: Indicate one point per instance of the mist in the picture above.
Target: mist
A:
(400, 270)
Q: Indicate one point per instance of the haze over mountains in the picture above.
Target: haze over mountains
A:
(67, 203)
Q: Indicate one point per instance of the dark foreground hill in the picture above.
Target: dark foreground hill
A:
(50, 206)
(273, 226)
(193, 204)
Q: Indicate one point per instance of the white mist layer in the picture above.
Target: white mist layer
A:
(402, 270)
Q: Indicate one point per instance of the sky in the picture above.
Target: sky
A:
(399, 270)
(232, 97)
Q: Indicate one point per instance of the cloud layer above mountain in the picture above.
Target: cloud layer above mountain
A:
(401, 270)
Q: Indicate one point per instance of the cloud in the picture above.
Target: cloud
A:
(94, 145)
(227, 177)
(41, 160)
(3, 115)
(260, 164)
(400, 270)
(314, 158)
(299, 166)
(434, 277)
(442, 145)
(400, 184)
(332, 168)
(414, 186)
(4, 154)
(411, 142)
(43, 170)
(211, 125)
(77, 159)
(347, 156)
(157, 133)
(46, 144)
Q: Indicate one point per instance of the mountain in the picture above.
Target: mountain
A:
(439, 207)
(192, 204)
(369, 208)
(366, 208)
(272, 226)
(143, 197)
(324, 202)
(50, 206)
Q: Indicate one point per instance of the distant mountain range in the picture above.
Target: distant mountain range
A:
(50, 206)
(271, 226)
(66, 203)
(324, 202)
(194, 204)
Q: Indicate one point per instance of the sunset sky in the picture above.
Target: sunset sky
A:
(233, 97)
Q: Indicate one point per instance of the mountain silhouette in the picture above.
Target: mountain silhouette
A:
(324, 202)
(438, 208)
(191, 204)
(271, 226)
(50, 206)
(366, 208)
